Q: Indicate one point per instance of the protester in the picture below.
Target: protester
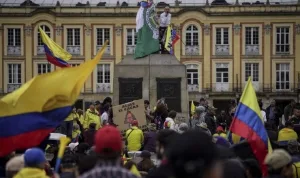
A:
(220, 132)
(146, 164)
(160, 114)
(196, 158)
(149, 118)
(210, 119)
(76, 133)
(221, 120)
(92, 116)
(199, 116)
(263, 113)
(165, 21)
(35, 164)
(104, 116)
(89, 135)
(164, 138)
(67, 126)
(108, 148)
(14, 165)
(279, 164)
(287, 133)
(169, 122)
(203, 127)
(252, 168)
(288, 110)
(273, 114)
(134, 137)
(233, 168)
(68, 167)
(296, 116)
(272, 132)
(183, 127)
(150, 138)
(98, 107)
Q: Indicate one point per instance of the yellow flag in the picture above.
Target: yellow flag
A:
(193, 108)
(135, 171)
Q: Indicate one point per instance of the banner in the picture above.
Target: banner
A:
(124, 114)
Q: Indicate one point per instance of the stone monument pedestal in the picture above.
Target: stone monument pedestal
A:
(151, 78)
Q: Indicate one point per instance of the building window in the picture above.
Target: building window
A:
(75, 65)
(251, 70)
(283, 76)
(252, 41)
(131, 40)
(222, 77)
(192, 77)
(73, 40)
(14, 41)
(222, 36)
(103, 78)
(192, 40)
(222, 41)
(14, 77)
(40, 47)
(282, 40)
(103, 34)
(43, 68)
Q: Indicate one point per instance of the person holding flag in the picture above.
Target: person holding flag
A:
(147, 30)
(248, 123)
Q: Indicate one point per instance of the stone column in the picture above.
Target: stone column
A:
(236, 47)
(207, 59)
(58, 35)
(1, 59)
(267, 31)
(87, 31)
(297, 53)
(28, 45)
(118, 35)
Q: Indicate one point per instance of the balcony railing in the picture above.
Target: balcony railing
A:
(107, 50)
(252, 50)
(222, 49)
(75, 50)
(103, 87)
(14, 50)
(193, 88)
(130, 49)
(12, 87)
(40, 50)
(192, 50)
(259, 87)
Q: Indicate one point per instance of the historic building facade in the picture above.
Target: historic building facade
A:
(221, 47)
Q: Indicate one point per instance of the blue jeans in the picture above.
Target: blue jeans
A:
(67, 128)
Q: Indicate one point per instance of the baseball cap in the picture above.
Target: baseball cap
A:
(108, 139)
(278, 159)
(34, 156)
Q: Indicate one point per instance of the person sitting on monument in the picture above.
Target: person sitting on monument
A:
(165, 21)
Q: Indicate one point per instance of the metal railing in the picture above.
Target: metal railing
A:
(259, 87)
(75, 50)
(14, 50)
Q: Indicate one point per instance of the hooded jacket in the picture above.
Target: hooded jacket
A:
(29, 172)
(287, 134)
(93, 117)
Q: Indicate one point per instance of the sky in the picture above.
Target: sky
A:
(113, 2)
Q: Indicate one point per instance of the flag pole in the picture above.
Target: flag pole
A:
(149, 73)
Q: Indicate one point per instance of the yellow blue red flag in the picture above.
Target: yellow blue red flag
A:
(171, 38)
(55, 54)
(248, 123)
(30, 113)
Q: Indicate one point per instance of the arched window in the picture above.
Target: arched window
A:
(40, 48)
(192, 35)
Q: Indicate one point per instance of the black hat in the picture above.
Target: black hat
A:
(97, 102)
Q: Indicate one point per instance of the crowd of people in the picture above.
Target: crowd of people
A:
(199, 147)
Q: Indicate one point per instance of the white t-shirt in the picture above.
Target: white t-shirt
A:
(165, 20)
(172, 123)
(104, 118)
(263, 114)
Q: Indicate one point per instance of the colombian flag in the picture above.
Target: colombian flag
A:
(30, 113)
(171, 39)
(248, 123)
(55, 54)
